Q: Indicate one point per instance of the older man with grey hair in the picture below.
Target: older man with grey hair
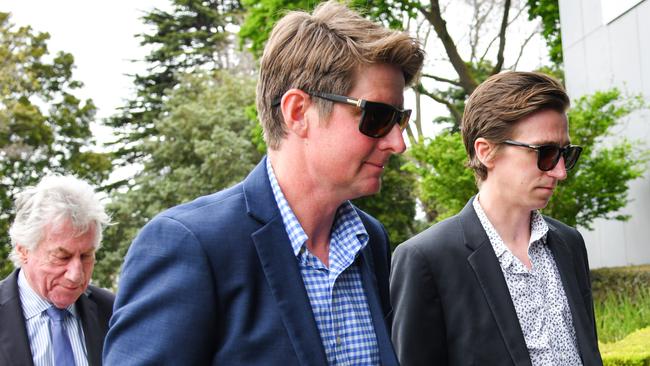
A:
(50, 315)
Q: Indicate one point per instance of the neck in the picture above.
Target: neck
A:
(313, 206)
(510, 221)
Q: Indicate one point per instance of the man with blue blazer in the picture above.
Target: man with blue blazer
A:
(282, 269)
(499, 283)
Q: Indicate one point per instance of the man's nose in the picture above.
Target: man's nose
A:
(395, 140)
(74, 271)
(559, 171)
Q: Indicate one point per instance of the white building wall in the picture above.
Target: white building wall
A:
(599, 56)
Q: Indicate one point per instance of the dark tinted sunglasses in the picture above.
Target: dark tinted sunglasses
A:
(377, 119)
(549, 155)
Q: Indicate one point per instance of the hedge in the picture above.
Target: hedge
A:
(633, 350)
(620, 280)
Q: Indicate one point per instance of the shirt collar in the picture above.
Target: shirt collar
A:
(32, 303)
(346, 222)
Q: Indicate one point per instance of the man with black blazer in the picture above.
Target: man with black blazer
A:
(499, 283)
(281, 269)
(58, 228)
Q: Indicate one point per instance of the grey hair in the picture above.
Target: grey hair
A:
(55, 201)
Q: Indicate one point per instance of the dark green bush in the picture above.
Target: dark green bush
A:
(626, 281)
(621, 301)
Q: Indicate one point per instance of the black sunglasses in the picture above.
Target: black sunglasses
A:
(377, 119)
(549, 155)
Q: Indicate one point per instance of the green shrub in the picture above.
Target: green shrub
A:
(620, 280)
(621, 301)
(633, 350)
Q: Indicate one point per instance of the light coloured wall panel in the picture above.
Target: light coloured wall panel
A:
(592, 18)
(637, 229)
(598, 61)
(572, 29)
(643, 20)
(594, 248)
(597, 57)
(624, 49)
(575, 65)
(606, 245)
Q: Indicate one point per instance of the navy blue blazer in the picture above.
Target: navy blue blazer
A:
(215, 281)
(94, 307)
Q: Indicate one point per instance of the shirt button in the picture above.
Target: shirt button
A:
(338, 340)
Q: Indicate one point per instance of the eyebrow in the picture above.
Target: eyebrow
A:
(61, 250)
(552, 142)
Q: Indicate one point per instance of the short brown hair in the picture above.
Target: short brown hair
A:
(501, 101)
(322, 52)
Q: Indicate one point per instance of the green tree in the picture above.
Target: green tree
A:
(202, 145)
(445, 183)
(598, 186)
(549, 13)
(192, 36)
(44, 127)
(261, 16)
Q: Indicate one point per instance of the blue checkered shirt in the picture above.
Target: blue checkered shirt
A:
(336, 294)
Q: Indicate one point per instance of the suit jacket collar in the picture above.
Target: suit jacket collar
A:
(490, 277)
(285, 280)
(14, 343)
(565, 261)
(281, 268)
(91, 327)
(371, 287)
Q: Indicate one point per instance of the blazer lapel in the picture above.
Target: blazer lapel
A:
(386, 353)
(565, 265)
(281, 269)
(490, 277)
(14, 343)
(283, 275)
(92, 329)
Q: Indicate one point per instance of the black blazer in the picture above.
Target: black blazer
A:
(95, 307)
(452, 305)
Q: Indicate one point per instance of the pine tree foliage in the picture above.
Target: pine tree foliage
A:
(44, 127)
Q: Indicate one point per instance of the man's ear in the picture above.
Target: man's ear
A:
(485, 151)
(294, 107)
(22, 253)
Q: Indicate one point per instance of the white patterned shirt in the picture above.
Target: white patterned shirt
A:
(336, 294)
(538, 295)
(38, 327)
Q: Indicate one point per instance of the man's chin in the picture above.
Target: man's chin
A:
(62, 301)
(370, 189)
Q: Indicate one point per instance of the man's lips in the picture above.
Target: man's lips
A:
(550, 188)
(378, 165)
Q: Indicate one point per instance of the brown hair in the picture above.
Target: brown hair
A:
(501, 101)
(322, 52)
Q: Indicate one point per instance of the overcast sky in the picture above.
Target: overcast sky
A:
(100, 36)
